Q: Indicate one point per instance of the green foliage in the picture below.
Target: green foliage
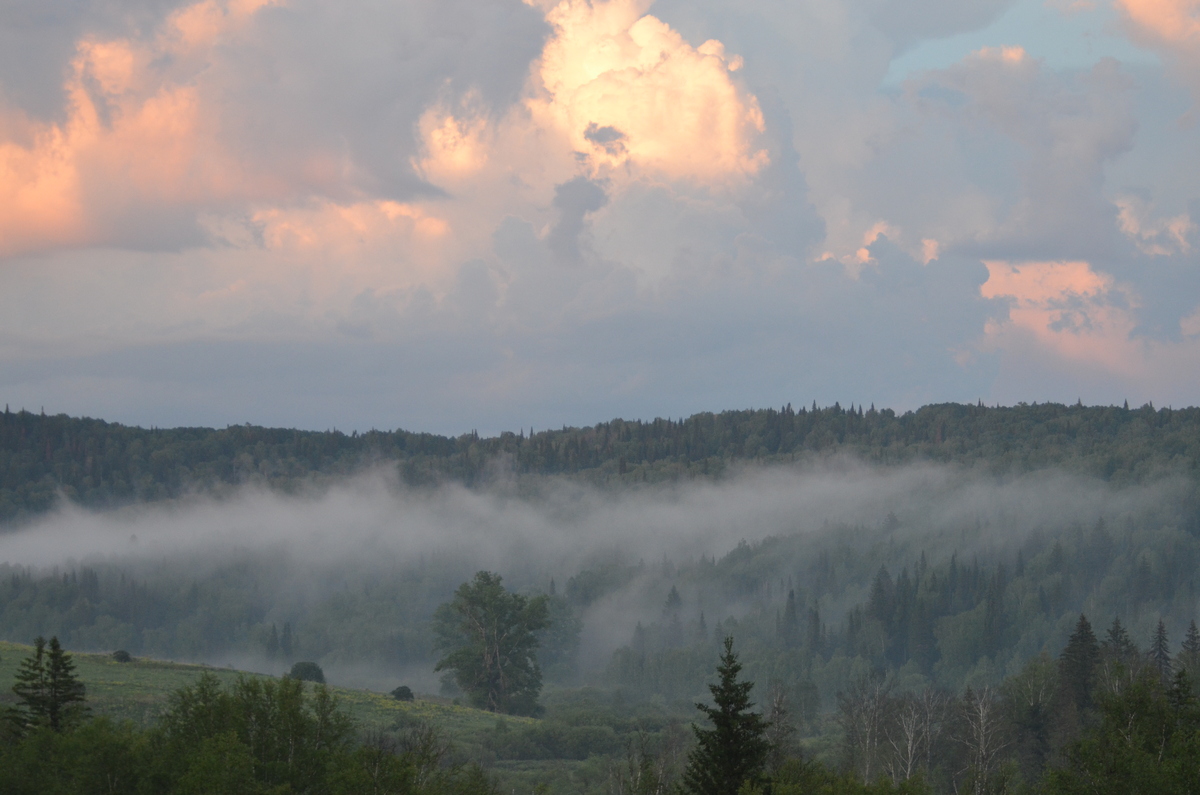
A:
(1148, 740)
(1077, 665)
(734, 751)
(813, 778)
(96, 463)
(402, 693)
(47, 688)
(307, 672)
(289, 737)
(489, 639)
(255, 737)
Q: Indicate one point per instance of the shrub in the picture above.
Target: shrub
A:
(403, 693)
(122, 656)
(308, 672)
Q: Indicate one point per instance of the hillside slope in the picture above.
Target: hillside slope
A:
(101, 464)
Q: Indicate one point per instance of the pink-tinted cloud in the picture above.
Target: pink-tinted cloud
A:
(136, 133)
(628, 89)
(1173, 28)
(1069, 309)
(1171, 21)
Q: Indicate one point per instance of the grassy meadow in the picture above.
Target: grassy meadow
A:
(138, 691)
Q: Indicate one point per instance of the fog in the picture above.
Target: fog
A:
(372, 519)
(371, 529)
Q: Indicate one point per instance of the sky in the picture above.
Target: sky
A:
(448, 215)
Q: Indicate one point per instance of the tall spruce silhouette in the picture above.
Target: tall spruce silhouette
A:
(1078, 664)
(50, 693)
(735, 749)
(1160, 654)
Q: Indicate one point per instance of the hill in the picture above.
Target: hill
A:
(101, 464)
(557, 751)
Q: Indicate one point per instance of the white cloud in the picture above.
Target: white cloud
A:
(454, 214)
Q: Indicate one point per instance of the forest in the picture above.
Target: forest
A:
(100, 464)
(912, 595)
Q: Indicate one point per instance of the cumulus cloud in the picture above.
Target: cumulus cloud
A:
(625, 87)
(1171, 27)
(1066, 315)
(481, 213)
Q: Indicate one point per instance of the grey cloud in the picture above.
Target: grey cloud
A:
(38, 38)
(573, 200)
(564, 345)
(907, 22)
(1070, 127)
(350, 83)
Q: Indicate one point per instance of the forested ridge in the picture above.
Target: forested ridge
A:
(101, 464)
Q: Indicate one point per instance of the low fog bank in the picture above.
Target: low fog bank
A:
(373, 520)
(358, 568)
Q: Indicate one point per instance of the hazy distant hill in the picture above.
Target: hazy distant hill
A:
(97, 463)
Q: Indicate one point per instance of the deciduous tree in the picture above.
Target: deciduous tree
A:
(488, 636)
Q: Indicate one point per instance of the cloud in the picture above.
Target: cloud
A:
(1172, 27)
(1067, 315)
(1154, 236)
(133, 136)
(626, 88)
(502, 210)
(1170, 21)
(181, 121)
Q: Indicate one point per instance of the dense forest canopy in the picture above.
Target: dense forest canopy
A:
(941, 557)
(101, 464)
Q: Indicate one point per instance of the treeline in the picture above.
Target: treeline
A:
(815, 614)
(248, 609)
(101, 464)
(1104, 717)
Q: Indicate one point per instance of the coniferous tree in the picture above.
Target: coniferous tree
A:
(30, 687)
(734, 751)
(674, 602)
(47, 688)
(1077, 665)
(1160, 654)
(1189, 654)
(286, 643)
(1117, 643)
(65, 694)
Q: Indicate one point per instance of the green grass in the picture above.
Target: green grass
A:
(139, 691)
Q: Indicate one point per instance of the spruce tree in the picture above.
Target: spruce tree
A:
(1160, 654)
(30, 687)
(65, 694)
(1078, 664)
(47, 687)
(1117, 643)
(286, 643)
(1189, 654)
(734, 751)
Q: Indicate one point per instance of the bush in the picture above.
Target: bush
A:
(403, 693)
(308, 672)
(122, 656)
